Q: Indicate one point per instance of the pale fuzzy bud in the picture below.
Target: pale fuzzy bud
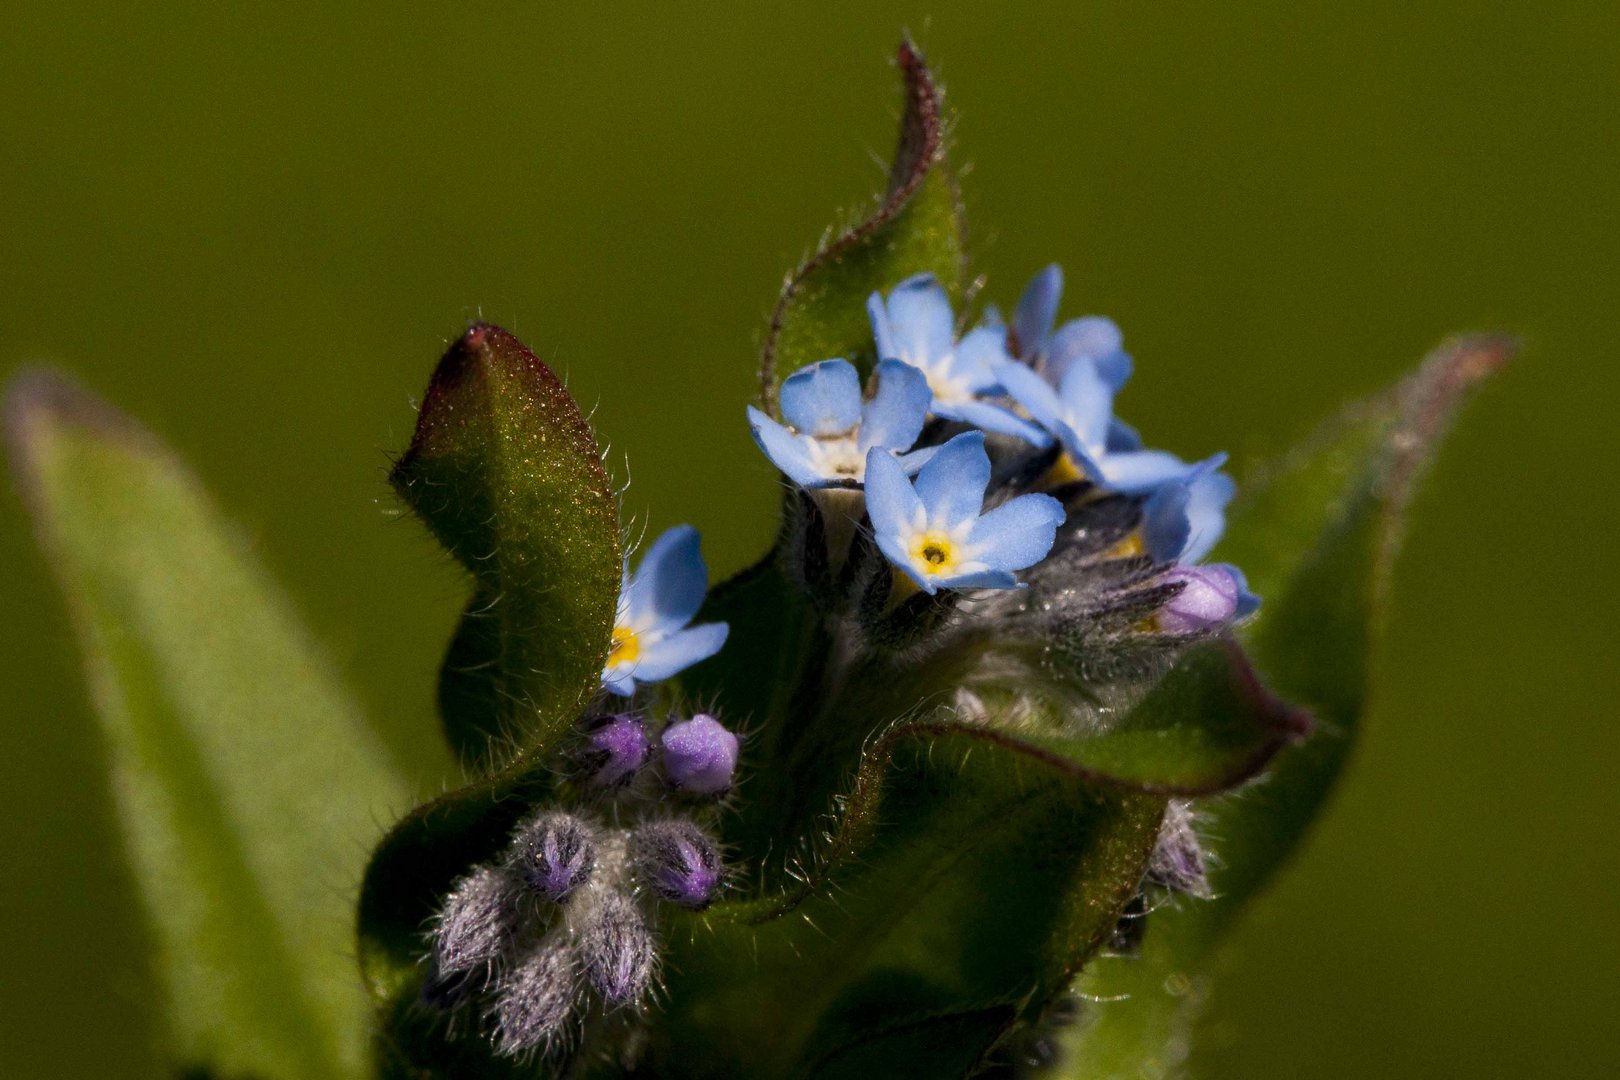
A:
(699, 755)
(616, 948)
(555, 852)
(1178, 859)
(678, 861)
(536, 1000)
(474, 935)
(1210, 597)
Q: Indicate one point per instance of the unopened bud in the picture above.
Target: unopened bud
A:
(536, 1000)
(555, 852)
(619, 748)
(700, 755)
(473, 935)
(1178, 859)
(617, 949)
(677, 861)
(1210, 596)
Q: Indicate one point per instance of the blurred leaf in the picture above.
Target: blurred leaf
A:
(1317, 534)
(915, 227)
(505, 471)
(245, 778)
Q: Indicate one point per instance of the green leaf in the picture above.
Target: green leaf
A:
(1015, 849)
(966, 881)
(1206, 727)
(245, 778)
(915, 227)
(506, 473)
(1317, 534)
(970, 867)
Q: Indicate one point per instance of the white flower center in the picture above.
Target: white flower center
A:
(838, 457)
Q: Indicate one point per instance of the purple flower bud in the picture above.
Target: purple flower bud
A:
(678, 861)
(535, 1001)
(473, 935)
(1208, 598)
(619, 748)
(1178, 860)
(699, 755)
(555, 852)
(617, 948)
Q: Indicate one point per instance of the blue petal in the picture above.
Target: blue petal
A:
(993, 418)
(679, 651)
(1208, 494)
(1018, 533)
(951, 486)
(980, 352)
(918, 326)
(1115, 368)
(1037, 310)
(983, 579)
(1122, 437)
(1090, 338)
(1165, 528)
(916, 459)
(1247, 602)
(1136, 471)
(786, 450)
(1088, 401)
(895, 416)
(877, 313)
(667, 588)
(1032, 392)
(892, 506)
(823, 399)
(619, 679)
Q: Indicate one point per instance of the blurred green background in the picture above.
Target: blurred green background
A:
(255, 230)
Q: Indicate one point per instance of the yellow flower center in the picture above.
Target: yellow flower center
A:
(1128, 548)
(1064, 471)
(933, 553)
(625, 648)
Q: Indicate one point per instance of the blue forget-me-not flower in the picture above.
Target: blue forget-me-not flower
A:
(1067, 385)
(651, 638)
(830, 428)
(1050, 352)
(934, 531)
(915, 325)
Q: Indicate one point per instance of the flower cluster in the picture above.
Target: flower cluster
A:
(945, 446)
(987, 467)
(568, 911)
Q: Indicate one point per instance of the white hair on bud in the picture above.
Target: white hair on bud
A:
(474, 934)
(536, 1000)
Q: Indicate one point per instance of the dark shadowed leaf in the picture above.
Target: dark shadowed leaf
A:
(915, 227)
(505, 471)
(965, 879)
(1317, 533)
(246, 780)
